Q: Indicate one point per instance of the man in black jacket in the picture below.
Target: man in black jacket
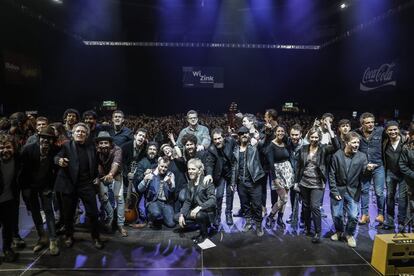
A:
(406, 164)
(200, 202)
(36, 179)
(346, 171)
(76, 179)
(247, 172)
(219, 162)
(391, 152)
(9, 208)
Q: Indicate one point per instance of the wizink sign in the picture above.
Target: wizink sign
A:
(374, 78)
(203, 77)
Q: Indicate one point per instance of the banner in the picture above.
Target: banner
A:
(378, 77)
(203, 77)
(19, 69)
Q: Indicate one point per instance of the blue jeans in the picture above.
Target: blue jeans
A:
(378, 176)
(117, 189)
(158, 210)
(224, 184)
(393, 182)
(350, 206)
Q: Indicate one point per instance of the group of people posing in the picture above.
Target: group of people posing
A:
(184, 180)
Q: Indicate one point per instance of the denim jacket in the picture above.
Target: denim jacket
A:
(372, 146)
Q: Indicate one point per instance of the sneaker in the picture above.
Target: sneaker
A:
(380, 219)
(54, 248)
(364, 220)
(351, 241)
(10, 256)
(336, 237)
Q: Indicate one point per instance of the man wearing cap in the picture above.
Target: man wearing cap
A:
(37, 177)
(109, 169)
(391, 151)
(247, 174)
(76, 178)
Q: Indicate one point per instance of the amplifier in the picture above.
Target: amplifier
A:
(393, 254)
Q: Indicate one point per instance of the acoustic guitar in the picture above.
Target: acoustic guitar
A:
(131, 212)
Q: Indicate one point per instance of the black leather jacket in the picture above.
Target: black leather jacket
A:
(253, 163)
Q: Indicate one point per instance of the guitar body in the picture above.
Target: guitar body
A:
(131, 212)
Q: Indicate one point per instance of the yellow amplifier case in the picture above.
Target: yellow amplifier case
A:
(393, 255)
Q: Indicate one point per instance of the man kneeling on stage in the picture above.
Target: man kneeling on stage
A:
(200, 202)
(159, 185)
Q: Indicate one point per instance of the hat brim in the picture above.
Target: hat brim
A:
(110, 139)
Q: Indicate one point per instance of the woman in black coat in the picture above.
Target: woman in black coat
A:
(311, 175)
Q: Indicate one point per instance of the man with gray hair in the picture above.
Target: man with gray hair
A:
(76, 179)
(201, 132)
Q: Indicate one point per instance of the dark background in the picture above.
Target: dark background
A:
(149, 80)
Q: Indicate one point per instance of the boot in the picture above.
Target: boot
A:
(229, 219)
(10, 256)
(54, 248)
(280, 222)
(270, 221)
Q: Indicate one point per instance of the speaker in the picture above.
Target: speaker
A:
(393, 254)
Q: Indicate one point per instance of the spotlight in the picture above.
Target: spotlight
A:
(343, 5)
(57, 1)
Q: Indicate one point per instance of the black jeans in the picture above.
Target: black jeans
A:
(88, 196)
(202, 219)
(8, 221)
(311, 203)
(224, 184)
(251, 201)
(46, 198)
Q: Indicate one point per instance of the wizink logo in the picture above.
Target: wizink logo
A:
(203, 78)
(378, 77)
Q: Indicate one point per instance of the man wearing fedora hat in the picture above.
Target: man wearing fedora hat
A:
(109, 168)
(37, 177)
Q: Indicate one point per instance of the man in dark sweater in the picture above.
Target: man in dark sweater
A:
(346, 171)
(76, 179)
(406, 164)
(9, 208)
(392, 148)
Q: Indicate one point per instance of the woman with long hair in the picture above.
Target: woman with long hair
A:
(311, 175)
(281, 174)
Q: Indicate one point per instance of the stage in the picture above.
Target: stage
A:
(165, 252)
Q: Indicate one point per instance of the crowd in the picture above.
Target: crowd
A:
(182, 166)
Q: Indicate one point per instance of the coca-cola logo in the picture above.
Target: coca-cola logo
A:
(378, 77)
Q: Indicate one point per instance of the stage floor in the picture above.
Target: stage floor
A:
(164, 252)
